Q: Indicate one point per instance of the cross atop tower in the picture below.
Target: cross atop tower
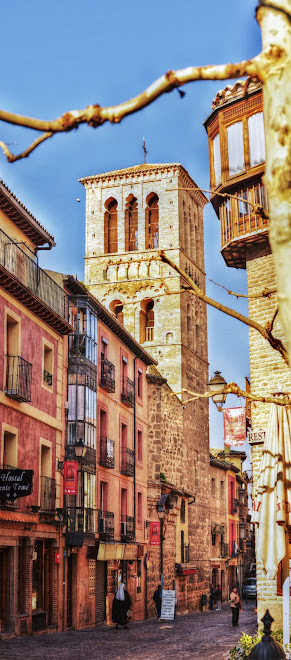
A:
(144, 150)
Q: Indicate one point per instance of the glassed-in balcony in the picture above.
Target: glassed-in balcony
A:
(18, 378)
(81, 519)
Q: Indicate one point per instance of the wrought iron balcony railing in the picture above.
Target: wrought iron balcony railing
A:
(47, 378)
(127, 529)
(233, 506)
(106, 452)
(47, 493)
(185, 554)
(107, 375)
(106, 525)
(81, 519)
(127, 462)
(224, 552)
(18, 378)
(26, 270)
(127, 392)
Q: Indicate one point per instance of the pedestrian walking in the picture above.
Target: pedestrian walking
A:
(211, 597)
(157, 598)
(120, 606)
(236, 606)
(217, 598)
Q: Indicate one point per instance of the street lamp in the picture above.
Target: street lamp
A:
(216, 384)
(80, 449)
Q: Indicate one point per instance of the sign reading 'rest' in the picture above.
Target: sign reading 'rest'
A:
(15, 483)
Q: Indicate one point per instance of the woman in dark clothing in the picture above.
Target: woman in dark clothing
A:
(121, 603)
(157, 598)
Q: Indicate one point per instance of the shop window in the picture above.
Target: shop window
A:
(48, 360)
(110, 227)
(235, 143)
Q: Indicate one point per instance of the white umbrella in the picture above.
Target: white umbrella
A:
(272, 503)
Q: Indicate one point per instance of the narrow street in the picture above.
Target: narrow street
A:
(196, 636)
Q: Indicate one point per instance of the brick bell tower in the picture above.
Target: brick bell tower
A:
(131, 214)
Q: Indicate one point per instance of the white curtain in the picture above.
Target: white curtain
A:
(235, 143)
(216, 159)
(256, 139)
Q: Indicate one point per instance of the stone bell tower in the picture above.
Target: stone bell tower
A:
(131, 214)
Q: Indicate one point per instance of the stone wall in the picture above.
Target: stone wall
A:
(268, 374)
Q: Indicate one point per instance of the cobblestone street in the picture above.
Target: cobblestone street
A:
(196, 636)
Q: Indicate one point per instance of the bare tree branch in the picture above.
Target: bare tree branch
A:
(233, 388)
(265, 293)
(95, 116)
(194, 289)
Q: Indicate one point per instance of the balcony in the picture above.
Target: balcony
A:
(47, 493)
(233, 506)
(18, 378)
(127, 529)
(107, 375)
(82, 346)
(21, 276)
(185, 554)
(224, 551)
(106, 452)
(81, 519)
(47, 378)
(127, 462)
(127, 393)
(240, 224)
(106, 525)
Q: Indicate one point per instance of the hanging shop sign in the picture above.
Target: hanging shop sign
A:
(130, 551)
(234, 421)
(70, 477)
(15, 483)
(257, 437)
(155, 533)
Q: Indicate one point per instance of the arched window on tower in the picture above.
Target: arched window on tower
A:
(110, 226)
(116, 308)
(147, 320)
(131, 224)
(152, 222)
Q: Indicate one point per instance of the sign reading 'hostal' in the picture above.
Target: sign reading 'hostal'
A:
(15, 483)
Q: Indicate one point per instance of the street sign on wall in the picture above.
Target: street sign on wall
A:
(15, 483)
(155, 533)
(70, 477)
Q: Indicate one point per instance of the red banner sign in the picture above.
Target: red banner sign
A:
(234, 421)
(155, 533)
(70, 477)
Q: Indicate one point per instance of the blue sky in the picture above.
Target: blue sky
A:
(63, 55)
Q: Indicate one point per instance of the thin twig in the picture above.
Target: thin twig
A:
(265, 293)
(194, 289)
